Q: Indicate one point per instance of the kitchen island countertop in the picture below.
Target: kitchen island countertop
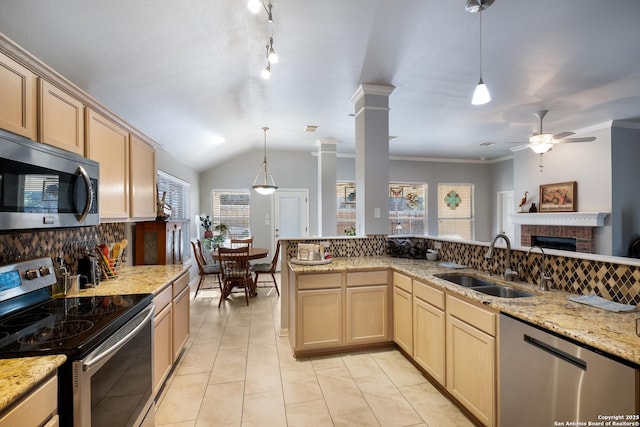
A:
(610, 332)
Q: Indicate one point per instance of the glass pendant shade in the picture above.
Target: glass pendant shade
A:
(263, 182)
(266, 72)
(254, 6)
(481, 94)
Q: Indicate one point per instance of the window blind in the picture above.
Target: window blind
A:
(455, 211)
(232, 208)
(178, 197)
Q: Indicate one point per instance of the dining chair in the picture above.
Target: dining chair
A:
(238, 242)
(267, 268)
(235, 271)
(204, 269)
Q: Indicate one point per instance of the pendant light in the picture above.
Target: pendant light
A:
(263, 183)
(481, 93)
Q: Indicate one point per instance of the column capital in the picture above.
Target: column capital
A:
(371, 89)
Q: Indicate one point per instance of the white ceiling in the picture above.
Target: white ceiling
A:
(187, 73)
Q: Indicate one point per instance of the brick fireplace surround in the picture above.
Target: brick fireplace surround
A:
(583, 235)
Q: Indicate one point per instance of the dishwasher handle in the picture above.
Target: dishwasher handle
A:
(556, 352)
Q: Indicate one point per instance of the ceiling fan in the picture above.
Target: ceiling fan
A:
(542, 142)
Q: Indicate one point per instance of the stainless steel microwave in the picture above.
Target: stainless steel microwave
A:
(45, 187)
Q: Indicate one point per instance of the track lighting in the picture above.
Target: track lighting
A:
(254, 6)
(271, 53)
(481, 93)
(266, 72)
(272, 56)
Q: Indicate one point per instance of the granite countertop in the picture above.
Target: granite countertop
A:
(18, 376)
(613, 333)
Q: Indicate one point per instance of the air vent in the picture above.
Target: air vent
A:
(310, 128)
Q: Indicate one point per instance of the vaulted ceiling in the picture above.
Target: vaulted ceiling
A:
(187, 73)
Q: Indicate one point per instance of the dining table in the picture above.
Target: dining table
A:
(254, 253)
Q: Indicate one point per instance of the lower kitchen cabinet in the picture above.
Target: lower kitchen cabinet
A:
(39, 408)
(335, 310)
(162, 336)
(403, 312)
(429, 326)
(471, 358)
(170, 329)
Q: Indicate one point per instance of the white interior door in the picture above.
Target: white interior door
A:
(291, 214)
(506, 208)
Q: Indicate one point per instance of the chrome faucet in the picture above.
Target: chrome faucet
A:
(544, 279)
(508, 274)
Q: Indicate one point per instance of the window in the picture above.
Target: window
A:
(455, 211)
(407, 208)
(177, 195)
(231, 207)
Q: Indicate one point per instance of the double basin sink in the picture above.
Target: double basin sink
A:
(483, 286)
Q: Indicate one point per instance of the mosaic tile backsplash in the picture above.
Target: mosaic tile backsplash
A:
(69, 243)
(615, 282)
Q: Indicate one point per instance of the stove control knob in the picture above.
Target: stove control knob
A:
(44, 270)
(31, 274)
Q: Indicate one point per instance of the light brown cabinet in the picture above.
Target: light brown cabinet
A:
(162, 335)
(403, 312)
(335, 310)
(142, 171)
(39, 408)
(181, 315)
(159, 243)
(429, 330)
(471, 358)
(18, 107)
(108, 143)
(61, 122)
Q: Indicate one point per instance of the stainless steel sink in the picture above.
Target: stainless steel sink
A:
(503, 291)
(464, 280)
(483, 286)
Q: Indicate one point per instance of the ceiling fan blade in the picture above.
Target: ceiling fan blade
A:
(520, 148)
(585, 139)
(562, 135)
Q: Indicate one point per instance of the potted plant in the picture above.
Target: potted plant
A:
(221, 234)
(205, 222)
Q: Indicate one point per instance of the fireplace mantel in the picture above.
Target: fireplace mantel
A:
(572, 219)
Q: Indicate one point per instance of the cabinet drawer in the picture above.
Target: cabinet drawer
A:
(319, 281)
(179, 284)
(162, 299)
(402, 281)
(367, 278)
(428, 294)
(35, 409)
(471, 314)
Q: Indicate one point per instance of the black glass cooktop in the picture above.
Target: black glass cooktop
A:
(71, 326)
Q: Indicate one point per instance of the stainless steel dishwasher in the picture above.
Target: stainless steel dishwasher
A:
(546, 380)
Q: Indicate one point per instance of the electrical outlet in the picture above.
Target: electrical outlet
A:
(437, 245)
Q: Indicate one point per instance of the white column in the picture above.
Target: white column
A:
(327, 186)
(372, 158)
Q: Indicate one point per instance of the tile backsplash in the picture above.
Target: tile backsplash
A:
(68, 242)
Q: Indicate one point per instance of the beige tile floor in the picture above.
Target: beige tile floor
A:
(237, 371)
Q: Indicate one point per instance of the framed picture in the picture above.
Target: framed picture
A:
(396, 192)
(350, 195)
(559, 197)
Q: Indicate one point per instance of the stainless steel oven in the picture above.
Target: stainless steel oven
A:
(44, 187)
(112, 385)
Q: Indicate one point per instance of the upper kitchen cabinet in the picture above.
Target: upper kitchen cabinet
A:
(61, 121)
(108, 143)
(142, 187)
(18, 105)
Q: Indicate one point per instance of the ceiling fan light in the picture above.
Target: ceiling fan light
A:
(480, 94)
(541, 148)
(254, 6)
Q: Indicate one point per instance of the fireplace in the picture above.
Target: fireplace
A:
(560, 243)
(564, 237)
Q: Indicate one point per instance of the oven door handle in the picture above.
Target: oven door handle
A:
(114, 344)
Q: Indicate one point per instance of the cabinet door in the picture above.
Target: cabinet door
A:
(471, 374)
(108, 144)
(174, 243)
(180, 321)
(162, 349)
(61, 121)
(429, 338)
(38, 408)
(367, 314)
(319, 318)
(18, 105)
(403, 319)
(143, 179)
